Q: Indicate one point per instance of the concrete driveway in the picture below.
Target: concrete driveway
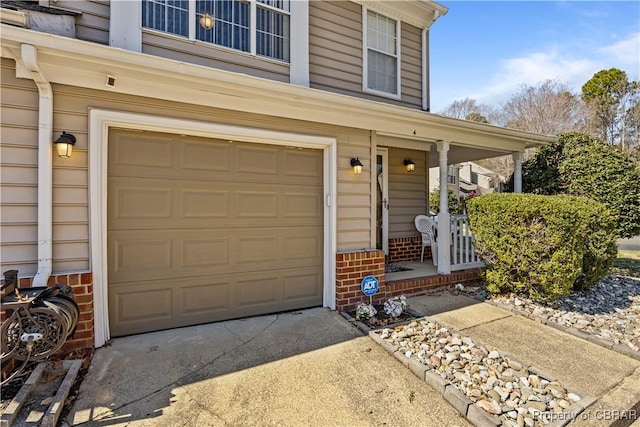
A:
(309, 367)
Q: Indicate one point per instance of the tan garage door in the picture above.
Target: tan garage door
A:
(201, 230)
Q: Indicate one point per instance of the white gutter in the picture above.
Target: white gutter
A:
(29, 62)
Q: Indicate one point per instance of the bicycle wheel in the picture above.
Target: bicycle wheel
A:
(67, 308)
(7, 345)
(39, 320)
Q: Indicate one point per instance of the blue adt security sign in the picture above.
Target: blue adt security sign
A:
(369, 286)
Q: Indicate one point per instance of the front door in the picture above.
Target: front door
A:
(382, 201)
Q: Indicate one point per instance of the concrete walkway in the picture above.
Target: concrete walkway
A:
(611, 377)
(312, 367)
(294, 369)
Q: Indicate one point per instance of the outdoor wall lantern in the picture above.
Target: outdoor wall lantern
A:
(357, 165)
(410, 165)
(64, 144)
(207, 21)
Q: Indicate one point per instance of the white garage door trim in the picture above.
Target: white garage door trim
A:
(100, 121)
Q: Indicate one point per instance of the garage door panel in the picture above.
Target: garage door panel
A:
(256, 204)
(204, 252)
(256, 159)
(250, 250)
(299, 205)
(205, 299)
(141, 202)
(204, 204)
(134, 303)
(202, 230)
(302, 164)
(302, 248)
(303, 285)
(258, 291)
(143, 150)
(203, 156)
(128, 256)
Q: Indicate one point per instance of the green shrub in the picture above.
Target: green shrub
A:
(454, 203)
(581, 165)
(543, 246)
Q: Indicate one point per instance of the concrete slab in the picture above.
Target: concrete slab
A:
(304, 368)
(459, 311)
(584, 365)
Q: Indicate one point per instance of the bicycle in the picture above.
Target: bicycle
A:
(38, 323)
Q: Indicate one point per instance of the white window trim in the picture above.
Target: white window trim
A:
(101, 121)
(253, 5)
(365, 66)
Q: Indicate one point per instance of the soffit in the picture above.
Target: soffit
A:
(422, 13)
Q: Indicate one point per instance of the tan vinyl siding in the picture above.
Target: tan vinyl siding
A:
(18, 150)
(335, 53)
(18, 171)
(210, 55)
(93, 24)
(407, 191)
(411, 65)
(354, 199)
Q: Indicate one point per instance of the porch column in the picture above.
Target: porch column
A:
(517, 172)
(444, 221)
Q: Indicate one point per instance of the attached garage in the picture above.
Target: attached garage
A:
(203, 229)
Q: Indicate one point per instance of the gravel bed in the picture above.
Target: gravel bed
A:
(609, 310)
(502, 386)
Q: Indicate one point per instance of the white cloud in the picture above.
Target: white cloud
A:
(574, 68)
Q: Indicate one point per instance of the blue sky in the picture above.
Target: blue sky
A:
(486, 49)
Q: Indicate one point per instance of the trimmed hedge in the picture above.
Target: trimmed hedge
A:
(544, 246)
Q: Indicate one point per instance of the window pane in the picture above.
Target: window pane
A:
(231, 23)
(381, 73)
(272, 34)
(381, 33)
(171, 16)
(278, 4)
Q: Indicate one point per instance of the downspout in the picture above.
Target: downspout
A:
(425, 70)
(29, 62)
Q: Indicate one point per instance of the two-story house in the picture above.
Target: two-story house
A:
(229, 157)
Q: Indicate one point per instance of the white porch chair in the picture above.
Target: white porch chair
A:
(427, 227)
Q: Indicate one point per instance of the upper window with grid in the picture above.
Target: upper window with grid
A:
(259, 27)
(381, 54)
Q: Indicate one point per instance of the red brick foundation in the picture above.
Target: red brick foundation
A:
(407, 249)
(421, 285)
(351, 268)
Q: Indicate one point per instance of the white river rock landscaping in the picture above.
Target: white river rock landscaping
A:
(499, 385)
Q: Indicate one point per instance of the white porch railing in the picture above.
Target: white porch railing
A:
(463, 251)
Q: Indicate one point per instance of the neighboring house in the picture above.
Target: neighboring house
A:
(468, 177)
(212, 175)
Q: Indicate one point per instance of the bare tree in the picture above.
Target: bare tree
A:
(547, 109)
(469, 109)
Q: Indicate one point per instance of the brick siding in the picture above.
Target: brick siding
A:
(351, 268)
(407, 249)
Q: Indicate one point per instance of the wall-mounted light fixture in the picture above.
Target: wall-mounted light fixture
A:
(64, 144)
(357, 165)
(410, 165)
(207, 21)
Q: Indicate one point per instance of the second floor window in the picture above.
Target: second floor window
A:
(259, 27)
(381, 54)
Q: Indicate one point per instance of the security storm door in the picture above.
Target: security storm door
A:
(382, 200)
